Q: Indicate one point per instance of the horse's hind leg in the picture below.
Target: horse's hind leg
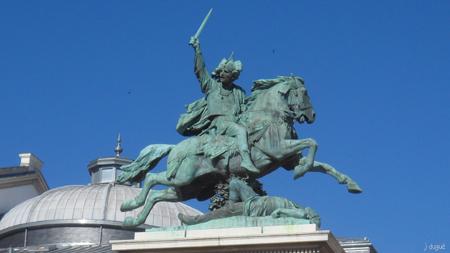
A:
(352, 186)
(139, 200)
(152, 179)
(169, 195)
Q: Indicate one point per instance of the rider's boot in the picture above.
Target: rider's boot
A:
(247, 164)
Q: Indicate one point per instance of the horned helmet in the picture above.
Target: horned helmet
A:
(230, 65)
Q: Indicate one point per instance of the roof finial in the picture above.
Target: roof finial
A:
(118, 150)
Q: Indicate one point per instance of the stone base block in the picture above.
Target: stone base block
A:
(237, 222)
(278, 239)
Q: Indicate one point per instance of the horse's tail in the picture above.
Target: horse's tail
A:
(148, 158)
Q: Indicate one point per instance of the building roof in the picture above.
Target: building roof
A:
(19, 183)
(92, 204)
(69, 249)
(22, 175)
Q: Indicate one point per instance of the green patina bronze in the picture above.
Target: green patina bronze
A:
(232, 136)
(244, 201)
(218, 112)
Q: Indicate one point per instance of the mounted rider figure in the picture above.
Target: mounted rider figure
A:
(217, 113)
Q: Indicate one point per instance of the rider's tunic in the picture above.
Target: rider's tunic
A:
(222, 105)
(217, 111)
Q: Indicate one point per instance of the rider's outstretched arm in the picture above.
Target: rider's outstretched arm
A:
(199, 66)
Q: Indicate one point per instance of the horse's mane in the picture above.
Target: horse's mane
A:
(262, 85)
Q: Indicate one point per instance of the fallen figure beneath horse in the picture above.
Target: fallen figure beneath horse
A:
(197, 164)
(244, 201)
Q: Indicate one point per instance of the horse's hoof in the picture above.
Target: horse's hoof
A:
(129, 222)
(353, 187)
(297, 176)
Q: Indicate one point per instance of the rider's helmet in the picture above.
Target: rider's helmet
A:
(230, 65)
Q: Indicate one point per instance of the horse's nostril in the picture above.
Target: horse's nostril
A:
(314, 115)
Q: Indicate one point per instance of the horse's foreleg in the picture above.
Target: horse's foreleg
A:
(306, 163)
(293, 147)
(352, 186)
(288, 148)
(169, 195)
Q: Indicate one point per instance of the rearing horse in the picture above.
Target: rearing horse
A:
(198, 163)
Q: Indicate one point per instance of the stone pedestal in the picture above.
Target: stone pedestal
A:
(276, 239)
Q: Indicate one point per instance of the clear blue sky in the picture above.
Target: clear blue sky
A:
(75, 73)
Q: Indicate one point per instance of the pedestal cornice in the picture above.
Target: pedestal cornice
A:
(289, 238)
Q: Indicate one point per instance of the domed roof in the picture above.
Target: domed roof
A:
(98, 203)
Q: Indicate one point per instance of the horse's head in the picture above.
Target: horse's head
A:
(285, 94)
(298, 100)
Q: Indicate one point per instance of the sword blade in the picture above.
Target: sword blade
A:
(199, 30)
